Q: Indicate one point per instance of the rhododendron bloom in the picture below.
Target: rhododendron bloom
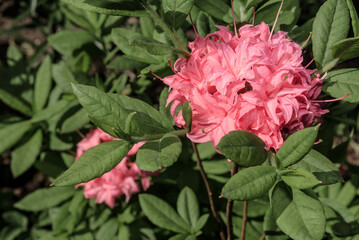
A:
(121, 180)
(254, 81)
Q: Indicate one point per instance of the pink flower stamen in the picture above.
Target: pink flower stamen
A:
(309, 63)
(234, 20)
(169, 60)
(276, 19)
(150, 71)
(331, 100)
(306, 41)
(194, 27)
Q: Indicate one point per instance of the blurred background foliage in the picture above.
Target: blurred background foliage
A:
(46, 45)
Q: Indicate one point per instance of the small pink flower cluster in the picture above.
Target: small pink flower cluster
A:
(121, 180)
(254, 82)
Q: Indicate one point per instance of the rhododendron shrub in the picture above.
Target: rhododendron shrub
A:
(245, 131)
(121, 180)
(254, 81)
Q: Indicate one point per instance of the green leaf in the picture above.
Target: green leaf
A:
(354, 17)
(346, 194)
(183, 237)
(44, 198)
(164, 108)
(201, 222)
(15, 219)
(243, 148)
(176, 11)
(162, 214)
(14, 102)
(122, 38)
(24, 156)
(300, 34)
(215, 8)
(160, 153)
(154, 47)
(75, 121)
(187, 206)
(42, 84)
(109, 7)
(67, 41)
(101, 107)
(303, 218)
(300, 179)
(289, 14)
(82, 62)
(147, 119)
(323, 169)
(50, 111)
(331, 25)
(94, 163)
(63, 77)
(13, 55)
(297, 146)
(346, 49)
(250, 183)
(13, 133)
(108, 230)
(339, 83)
(187, 115)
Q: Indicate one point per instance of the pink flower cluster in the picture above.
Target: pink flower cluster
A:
(254, 82)
(121, 180)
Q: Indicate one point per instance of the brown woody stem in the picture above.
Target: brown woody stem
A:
(229, 209)
(244, 221)
(210, 195)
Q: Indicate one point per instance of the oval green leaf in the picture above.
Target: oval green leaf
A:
(250, 183)
(331, 25)
(340, 82)
(94, 163)
(42, 84)
(13, 133)
(303, 218)
(300, 179)
(45, 198)
(243, 148)
(162, 214)
(346, 49)
(323, 169)
(297, 146)
(160, 153)
(117, 8)
(187, 206)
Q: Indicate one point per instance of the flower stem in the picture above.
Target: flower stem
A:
(229, 209)
(262, 236)
(164, 27)
(158, 136)
(244, 221)
(210, 195)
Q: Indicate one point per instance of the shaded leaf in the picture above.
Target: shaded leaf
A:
(354, 17)
(64, 43)
(88, 166)
(14, 102)
(162, 214)
(117, 8)
(13, 133)
(320, 166)
(42, 84)
(187, 206)
(176, 11)
(187, 115)
(44, 198)
(160, 153)
(24, 156)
